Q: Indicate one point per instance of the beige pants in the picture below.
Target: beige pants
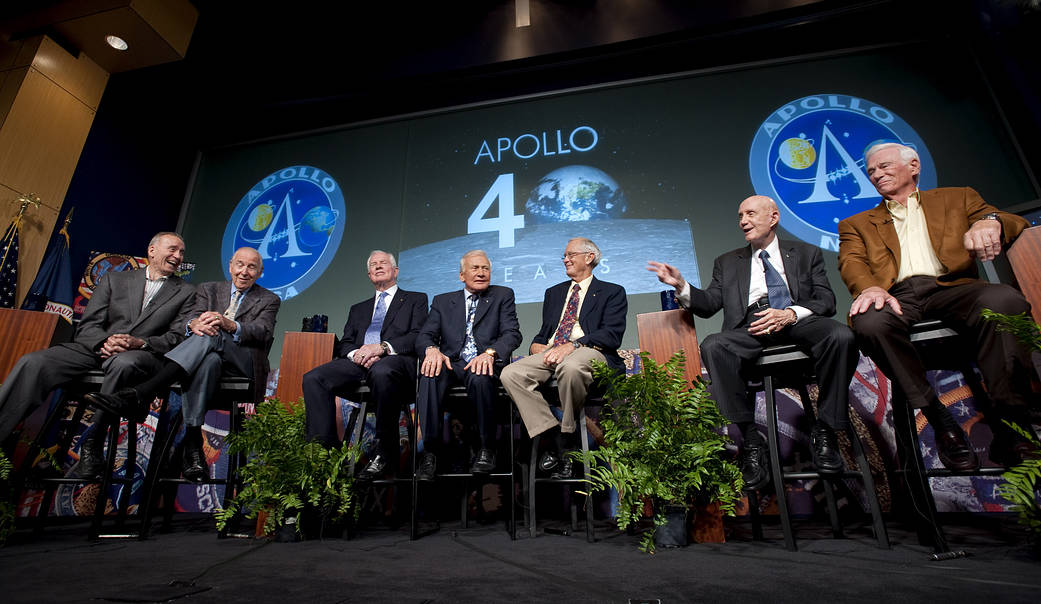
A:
(574, 374)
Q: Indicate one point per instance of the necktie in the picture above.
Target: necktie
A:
(567, 322)
(776, 290)
(372, 334)
(236, 297)
(470, 347)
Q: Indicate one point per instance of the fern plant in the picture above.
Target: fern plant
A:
(662, 441)
(285, 471)
(6, 500)
(1022, 481)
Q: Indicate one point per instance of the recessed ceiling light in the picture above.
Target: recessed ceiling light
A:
(116, 42)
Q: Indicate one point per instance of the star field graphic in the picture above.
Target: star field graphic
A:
(9, 266)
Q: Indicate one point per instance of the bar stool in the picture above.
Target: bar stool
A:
(163, 474)
(89, 382)
(458, 393)
(941, 347)
(593, 398)
(790, 364)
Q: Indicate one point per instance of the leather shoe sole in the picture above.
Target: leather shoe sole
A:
(549, 460)
(955, 452)
(375, 469)
(484, 464)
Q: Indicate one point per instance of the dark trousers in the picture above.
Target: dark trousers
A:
(729, 356)
(481, 390)
(392, 381)
(204, 359)
(1004, 363)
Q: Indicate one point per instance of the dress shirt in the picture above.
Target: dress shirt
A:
(583, 287)
(917, 256)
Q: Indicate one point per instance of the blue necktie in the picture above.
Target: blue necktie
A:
(776, 290)
(470, 347)
(372, 334)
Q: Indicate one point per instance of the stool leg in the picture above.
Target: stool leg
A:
(753, 511)
(909, 454)
(881, 535)
(531, 484)
(584, 431)
(156, 465)
(511, 525)
(106, 480)
(775, 463)
(129, 472)
(826, 482)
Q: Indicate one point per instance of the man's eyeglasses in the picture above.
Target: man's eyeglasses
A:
(568, 255)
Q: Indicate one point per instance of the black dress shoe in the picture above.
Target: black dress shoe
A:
(1011, 449)
(91, 463)
(427, 467)
(485, 462)
(955, 451)
(194, 466)
(755, 466)
(376, 468)
(568, 469)
(124, 403)
(549, 460)
(825, 449)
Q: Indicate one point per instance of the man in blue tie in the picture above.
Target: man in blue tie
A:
(468, 337)
(378, 346)
(771, 292)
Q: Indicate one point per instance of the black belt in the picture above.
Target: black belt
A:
(760, 304)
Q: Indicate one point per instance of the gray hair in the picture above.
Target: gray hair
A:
(462, 261)
(393, 262)
(587, 245)
(161, 234)
(906, 153)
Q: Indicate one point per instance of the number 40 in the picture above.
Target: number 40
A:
(507, 222)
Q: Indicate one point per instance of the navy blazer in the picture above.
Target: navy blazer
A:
(602, 317)
(406, 314)
(495, 324)
(732, 276)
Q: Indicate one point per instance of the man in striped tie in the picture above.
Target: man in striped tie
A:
(771, 292)
(379, 347)
(467, 339)
(583, 320)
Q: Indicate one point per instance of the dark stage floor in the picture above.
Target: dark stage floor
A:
(481, 564)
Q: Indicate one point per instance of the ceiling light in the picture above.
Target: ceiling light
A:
(116, 42)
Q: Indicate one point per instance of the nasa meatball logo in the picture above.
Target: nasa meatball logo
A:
(808, 155)
(295, 218)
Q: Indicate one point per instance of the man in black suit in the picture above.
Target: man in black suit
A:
(583, 320)
(132, 318)
(231, 331)
(467, 338)
(379, 347)
(771, 292)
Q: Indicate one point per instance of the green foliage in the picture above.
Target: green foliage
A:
(6, 503)
(1021, 484)
(285, 470)
(662, 442)
(1022, 326)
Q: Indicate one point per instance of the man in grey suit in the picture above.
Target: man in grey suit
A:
(133, 318)
(468, 337)
(231, 331)
(771, 292)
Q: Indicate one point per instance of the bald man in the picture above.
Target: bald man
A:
(771, 292)
(231, 330)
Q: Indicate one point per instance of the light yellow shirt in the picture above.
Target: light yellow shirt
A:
(917, 256)
(583, 285)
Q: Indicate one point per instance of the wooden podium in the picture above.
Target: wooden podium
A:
(23, 331)
(301, 352)
(663, 333)
(1025, 258)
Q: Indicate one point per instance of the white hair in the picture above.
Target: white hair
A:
(462, 261)
(587, 245)
(393, 262)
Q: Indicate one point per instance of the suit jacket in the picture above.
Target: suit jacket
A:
(115, 307)
(405, 315)
(602, 317)
(732, 274)
(495, 324)
(869, 250)
(256, 315)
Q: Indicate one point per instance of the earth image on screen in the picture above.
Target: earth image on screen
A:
(575, 194)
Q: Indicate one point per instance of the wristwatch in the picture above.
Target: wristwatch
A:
(990, 216)
(491, 351)
(576, 344)
(385, 347)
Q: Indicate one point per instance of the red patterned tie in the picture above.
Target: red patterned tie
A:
(567, 322)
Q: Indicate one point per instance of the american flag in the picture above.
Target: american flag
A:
(9, 264)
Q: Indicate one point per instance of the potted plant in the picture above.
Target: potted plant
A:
(1023, 480)
(663, 443)
(286, 473)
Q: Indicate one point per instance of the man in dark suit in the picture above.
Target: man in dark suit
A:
(231, 331)
(913, 257)
(467, 338)
(583, 320)
(379, 347)
(771, 292)
(132, 319)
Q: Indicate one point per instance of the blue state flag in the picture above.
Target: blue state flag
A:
(54, 287)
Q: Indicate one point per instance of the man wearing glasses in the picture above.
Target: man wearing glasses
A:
(583, 320)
